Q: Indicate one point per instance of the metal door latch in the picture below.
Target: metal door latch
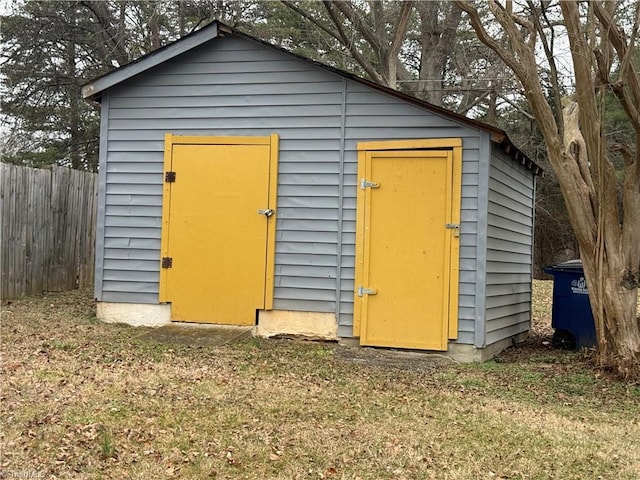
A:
(366, 291)
(365, 184)
(267, 213)
(455, 227)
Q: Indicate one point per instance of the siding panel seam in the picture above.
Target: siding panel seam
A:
(103, 155)
(343, 127)
(484, 171)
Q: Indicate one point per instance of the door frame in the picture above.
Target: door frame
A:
(273, 142)
(452, 263)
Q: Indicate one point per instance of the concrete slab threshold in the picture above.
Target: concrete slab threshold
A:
(197, 334)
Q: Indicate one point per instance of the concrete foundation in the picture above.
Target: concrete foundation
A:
(457, 352)
(307, 324)
(136, 314)
(283, 322)
(469, 353)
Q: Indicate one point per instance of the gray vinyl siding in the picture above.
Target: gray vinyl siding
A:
(100, 210)
(509, 249)
(233, 86)
(229, 87)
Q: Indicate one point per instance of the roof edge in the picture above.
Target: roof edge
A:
(93, 89)
(497, 135)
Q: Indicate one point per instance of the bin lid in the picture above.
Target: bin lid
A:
(570, 266)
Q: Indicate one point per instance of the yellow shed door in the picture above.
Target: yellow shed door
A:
(214, 235)
(408, 240)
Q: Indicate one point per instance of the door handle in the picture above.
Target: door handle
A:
(267, 213)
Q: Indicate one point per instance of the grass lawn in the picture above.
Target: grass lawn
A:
(86, 400)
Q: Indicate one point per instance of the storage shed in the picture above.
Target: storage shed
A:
(241, 184)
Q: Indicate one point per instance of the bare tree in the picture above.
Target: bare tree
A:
(380, 27)
(420, 48)
(608, 231)
(50, 48)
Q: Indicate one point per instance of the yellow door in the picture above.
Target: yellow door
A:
(408, 257)
(216, 248)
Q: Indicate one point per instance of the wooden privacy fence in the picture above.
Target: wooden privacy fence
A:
(48, 218)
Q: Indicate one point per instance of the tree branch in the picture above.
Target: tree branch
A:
(391, 55)
(347, 10)
(346, 41)
(522, 61)
(517, 107)
(548, 52)
(476, 23)
(629, 102)
(311, 19)
(111, 34)
(517, 20)
(627, 74)
(517, 58)
(585, 96)
(626, 61)
(401, 29)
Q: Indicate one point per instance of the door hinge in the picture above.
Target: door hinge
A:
(366, 291)
(365, 184)
(167, 262)
(170, 177)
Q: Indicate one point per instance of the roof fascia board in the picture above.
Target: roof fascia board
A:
(95, 87)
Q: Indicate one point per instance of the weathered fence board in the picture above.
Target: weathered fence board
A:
(48, 229)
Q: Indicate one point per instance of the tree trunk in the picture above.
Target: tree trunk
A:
(612, 249)
(614, 311)
(439, 22)
(613, 302)
(154, 25)
(74, 99)
(589, 186)
(609, 242)
(492, 107)
(389, 57)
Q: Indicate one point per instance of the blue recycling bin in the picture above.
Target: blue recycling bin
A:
(571, 314)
